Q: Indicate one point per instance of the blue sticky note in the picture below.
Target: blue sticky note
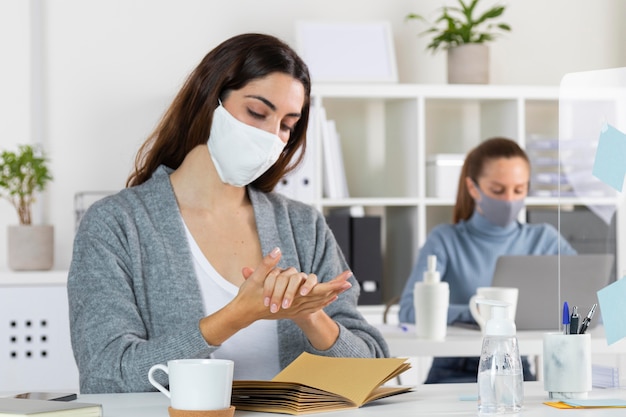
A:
(601, 402)
(610, 162)
(611, 299)
(468, 397)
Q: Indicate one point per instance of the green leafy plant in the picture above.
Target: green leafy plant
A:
(22, 174)
(457, 25)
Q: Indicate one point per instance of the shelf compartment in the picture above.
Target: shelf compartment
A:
(458, 125)
(377, 138)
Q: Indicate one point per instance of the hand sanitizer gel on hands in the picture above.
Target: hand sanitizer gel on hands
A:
(500, 374)
(431, 298)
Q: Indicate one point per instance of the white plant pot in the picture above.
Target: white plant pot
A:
(31, 248)
(468, 64)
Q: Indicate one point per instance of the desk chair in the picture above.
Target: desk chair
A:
(388, 305)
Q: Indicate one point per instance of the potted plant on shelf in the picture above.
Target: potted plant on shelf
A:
(22, 175)
(464, 36)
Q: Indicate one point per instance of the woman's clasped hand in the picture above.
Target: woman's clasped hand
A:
(287, 293)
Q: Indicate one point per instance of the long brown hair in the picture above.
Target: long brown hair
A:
(475, 161)
(230, 66)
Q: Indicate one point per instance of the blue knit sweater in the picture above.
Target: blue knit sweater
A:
(466, 258)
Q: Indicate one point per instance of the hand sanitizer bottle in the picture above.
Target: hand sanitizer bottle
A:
(500, 374)
(431, 299)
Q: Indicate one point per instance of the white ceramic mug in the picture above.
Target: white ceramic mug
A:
(196, 384)
(482, 313)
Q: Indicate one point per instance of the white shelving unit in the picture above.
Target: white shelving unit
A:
(387, 132)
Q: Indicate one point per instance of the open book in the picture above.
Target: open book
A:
(312, 384)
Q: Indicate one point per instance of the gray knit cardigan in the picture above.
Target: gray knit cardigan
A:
(134, 298)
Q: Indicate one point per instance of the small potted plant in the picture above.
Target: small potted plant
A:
(22, 175)
(464, 35)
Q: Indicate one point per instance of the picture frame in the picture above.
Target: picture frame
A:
(347, 51)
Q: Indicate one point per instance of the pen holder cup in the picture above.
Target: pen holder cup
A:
(567, 365)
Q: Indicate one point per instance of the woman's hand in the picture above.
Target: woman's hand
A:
(292, 295)
(295, 294)
(282, 286)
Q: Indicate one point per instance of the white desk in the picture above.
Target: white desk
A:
(461, 342)
(426, 400)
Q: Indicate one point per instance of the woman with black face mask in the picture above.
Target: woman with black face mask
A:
(492, 187)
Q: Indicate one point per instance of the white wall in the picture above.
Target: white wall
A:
(111, 67)
(15, 112)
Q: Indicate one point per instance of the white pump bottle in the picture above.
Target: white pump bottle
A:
(500, 374)
(431, 298)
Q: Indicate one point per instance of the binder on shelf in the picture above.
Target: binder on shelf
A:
(339, 223)
(367, 260)
(335, 182)
(359, 238)
(307, 171)
(340, 179)
(299, 184)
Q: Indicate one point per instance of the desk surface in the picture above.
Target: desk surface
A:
(468, 342)
(426, 400)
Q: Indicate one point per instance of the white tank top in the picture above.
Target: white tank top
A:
(253, 349)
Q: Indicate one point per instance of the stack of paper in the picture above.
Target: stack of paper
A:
(563, 167)
(604, 376)
(312, 384)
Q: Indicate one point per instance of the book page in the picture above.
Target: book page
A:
(351, 378)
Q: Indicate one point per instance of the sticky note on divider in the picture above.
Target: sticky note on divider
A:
(611, 300)
(610, 161)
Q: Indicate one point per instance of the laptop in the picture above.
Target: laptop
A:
(539, 306)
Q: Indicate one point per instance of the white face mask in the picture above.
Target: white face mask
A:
(241, 153)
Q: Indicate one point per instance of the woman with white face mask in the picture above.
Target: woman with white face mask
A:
(197, 257)
(492, 186)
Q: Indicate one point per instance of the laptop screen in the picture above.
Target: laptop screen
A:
(546, 282)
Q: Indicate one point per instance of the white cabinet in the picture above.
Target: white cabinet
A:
(387, 134)
(36, 353)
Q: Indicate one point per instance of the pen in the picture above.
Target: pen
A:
(565, 318)
(587, 320)
(573, 323)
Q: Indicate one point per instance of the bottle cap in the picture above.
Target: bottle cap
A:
(499, 324)
(432, 275)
